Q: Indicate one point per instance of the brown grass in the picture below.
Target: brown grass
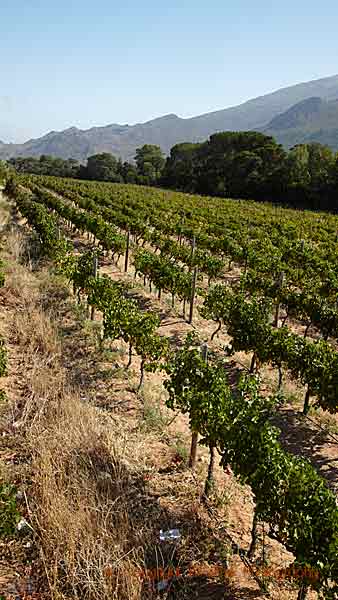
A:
(81, 512)
(78, 504)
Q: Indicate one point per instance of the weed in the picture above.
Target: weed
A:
(113, 353)
(9, 515)
(120, 373)
(80, 312)
(290, 398)
(222, 499)
(54, 291)
(93, 330)
(326, 420)
(153, 418)
(180, 449)
(3, 359)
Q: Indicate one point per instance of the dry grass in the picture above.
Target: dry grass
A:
(83, 496)
(81, 508)
(16, 242)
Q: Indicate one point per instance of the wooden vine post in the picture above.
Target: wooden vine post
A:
(192, 298)
(192, 254)
(253, 545)
(209, 482)
(127, 253)
(280, 284)
(194, 435)
(302, 592)
(306, 406)
(95, 270)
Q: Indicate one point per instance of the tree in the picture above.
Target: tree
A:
(311, 175)
(129, 173)
(150, 163)
(46, 165)
(321, 161)
(5, 171)
(240, 164)
(179, 171)
(103, 167)
(298, 165)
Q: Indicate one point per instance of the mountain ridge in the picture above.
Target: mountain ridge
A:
(167, 130)
(312, 120)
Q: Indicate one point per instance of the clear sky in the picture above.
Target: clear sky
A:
(88, 62)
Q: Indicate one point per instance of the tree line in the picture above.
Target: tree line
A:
(147, 169)
(253, 165)
(229, 164)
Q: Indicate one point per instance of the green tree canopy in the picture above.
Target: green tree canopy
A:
(103, 167)
(239, 164)
(180, 167)
(46, 165)
(150, 163)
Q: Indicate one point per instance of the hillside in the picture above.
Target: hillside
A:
(97, 453)
(122, 140)
(312, 120)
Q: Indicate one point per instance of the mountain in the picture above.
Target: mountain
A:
(312, 120)
(260, 113)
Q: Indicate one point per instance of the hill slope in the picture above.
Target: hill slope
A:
(312, 120)
(168, 130)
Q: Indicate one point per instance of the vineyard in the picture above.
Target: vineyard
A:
(255, 288)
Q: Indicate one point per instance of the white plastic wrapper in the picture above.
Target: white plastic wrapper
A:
(170, 535)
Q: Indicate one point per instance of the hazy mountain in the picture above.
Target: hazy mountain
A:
(259, 113)
(311, 120)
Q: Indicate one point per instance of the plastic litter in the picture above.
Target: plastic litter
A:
(162, 585)
(170, 535)
(23, 526)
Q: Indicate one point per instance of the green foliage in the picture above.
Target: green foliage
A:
(46, 165)
(163, 273)
(4, 171)
(149, 153)
(103, 167)
(83, 269)
(121, 316)
(228, 164)
(3, 359)
(197, 388)
(103, 291)
(2, 274)
(45, 224)
(248, 323)
(180, 169)
(123, 319)
(9, 515)
(288, 492)
(216, 306)
(11, 186)
(150, 163)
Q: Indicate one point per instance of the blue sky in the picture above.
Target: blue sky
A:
(91, 63)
